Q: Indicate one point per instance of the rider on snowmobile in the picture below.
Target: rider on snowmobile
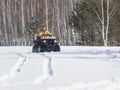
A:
(44, 32)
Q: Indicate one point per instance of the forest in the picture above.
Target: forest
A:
(73, 22)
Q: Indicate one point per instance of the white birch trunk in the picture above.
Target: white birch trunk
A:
(32, 14)
(23, 22)
(46, 12)
(58, 19)
(108, 18)
(11, 30)
(103, 23)
(72, 33)
(4, 23)
(15, 24)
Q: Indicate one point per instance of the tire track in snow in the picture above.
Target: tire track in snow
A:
(47, 70)
(20, 62)
(15, 69)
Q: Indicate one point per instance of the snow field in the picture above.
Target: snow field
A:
(74, 68)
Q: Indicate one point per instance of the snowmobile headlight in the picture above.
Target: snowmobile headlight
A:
(55, 41)
(44, 41)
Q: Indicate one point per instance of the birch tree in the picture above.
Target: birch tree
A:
(46, 12)
(5, 32)
(97, 15)
(16, 15)
(108, 10)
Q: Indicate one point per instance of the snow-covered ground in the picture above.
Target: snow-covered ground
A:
(74, 68)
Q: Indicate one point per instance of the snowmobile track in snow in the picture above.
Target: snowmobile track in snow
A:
(21, 62)
(47, 70)
(15, 69)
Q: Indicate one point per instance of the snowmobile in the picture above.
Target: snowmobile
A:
(48, 44)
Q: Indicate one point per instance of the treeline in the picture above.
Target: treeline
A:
(97, 21)
(17, 17)
(74, 22)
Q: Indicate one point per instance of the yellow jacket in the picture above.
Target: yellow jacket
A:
(44, 33)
